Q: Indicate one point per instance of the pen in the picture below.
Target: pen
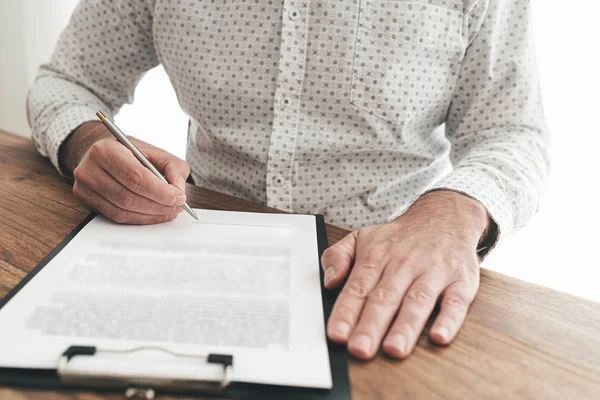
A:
(120, 136)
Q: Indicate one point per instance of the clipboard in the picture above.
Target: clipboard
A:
(142, 387)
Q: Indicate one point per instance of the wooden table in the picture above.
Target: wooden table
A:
(519, 340)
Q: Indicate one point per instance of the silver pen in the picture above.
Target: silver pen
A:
(120, 136)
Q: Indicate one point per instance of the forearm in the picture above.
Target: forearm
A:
(77, 144)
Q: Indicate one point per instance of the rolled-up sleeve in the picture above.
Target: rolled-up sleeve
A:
(98, 61)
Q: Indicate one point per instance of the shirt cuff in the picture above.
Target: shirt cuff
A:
(62, 126)
(477, 184)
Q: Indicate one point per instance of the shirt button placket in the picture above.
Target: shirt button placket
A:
(287, 104)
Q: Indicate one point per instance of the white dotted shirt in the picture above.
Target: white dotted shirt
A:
(347, 108)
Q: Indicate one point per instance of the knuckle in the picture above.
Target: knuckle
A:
(77, 190)
(397, 264)
(383, 295)
(375, 254)
(135, 180)
(457, 268)
(455, 302)
(419, 294)
(127, 200)
(79, 173)
(414, 257)
(357, 288)
(471, 266)
(462, 270)
(169, 165)
(98, 150)
(414, 261)
(120, 216)
(175, 165)
(368, 270)
(330, 251)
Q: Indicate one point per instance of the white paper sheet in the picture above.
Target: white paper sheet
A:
(245, 284)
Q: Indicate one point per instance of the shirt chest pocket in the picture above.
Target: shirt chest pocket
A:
(406, 59)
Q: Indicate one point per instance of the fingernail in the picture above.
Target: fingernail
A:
(442, 332)
(329, 275)
(361, 342)
(397, 341)
(180, 182)
(343, 330)
(179, 200)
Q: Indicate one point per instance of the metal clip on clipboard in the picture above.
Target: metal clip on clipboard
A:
(139, 385)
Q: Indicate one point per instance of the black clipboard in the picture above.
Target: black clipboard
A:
(338, 356)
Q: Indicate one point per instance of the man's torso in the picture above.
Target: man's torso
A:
(329, 107)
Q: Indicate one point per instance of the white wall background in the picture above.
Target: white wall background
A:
(558, 249)
(28, 31)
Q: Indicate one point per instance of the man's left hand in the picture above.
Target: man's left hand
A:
(398, 270)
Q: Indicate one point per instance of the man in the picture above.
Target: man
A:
(335, 107)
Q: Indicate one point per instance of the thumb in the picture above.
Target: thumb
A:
(174, 169)
(337, 260)
(176, 172)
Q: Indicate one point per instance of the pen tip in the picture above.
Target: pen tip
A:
(189, 210)
(100, 115)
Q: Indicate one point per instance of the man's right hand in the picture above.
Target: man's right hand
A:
(110, 179)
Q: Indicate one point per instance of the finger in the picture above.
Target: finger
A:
(453, 309)
(381, 306)
(348, 306)
(115, 213)
(416, 308)
(176, 172)
(120, 163)
(173, 168)
(98, 180)
(337, 260)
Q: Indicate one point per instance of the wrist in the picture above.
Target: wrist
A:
(454, 211)
(78, 143)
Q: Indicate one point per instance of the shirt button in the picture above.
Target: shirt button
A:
(293, 13)
(278, 179)
(286, 101)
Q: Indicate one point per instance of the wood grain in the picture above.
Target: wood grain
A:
(519, 340)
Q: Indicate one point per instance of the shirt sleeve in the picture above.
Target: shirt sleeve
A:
(100, 57)
(495, 122)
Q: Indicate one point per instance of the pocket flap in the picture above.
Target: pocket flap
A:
(418, 23)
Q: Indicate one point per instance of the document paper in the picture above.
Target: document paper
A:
(245, 284)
